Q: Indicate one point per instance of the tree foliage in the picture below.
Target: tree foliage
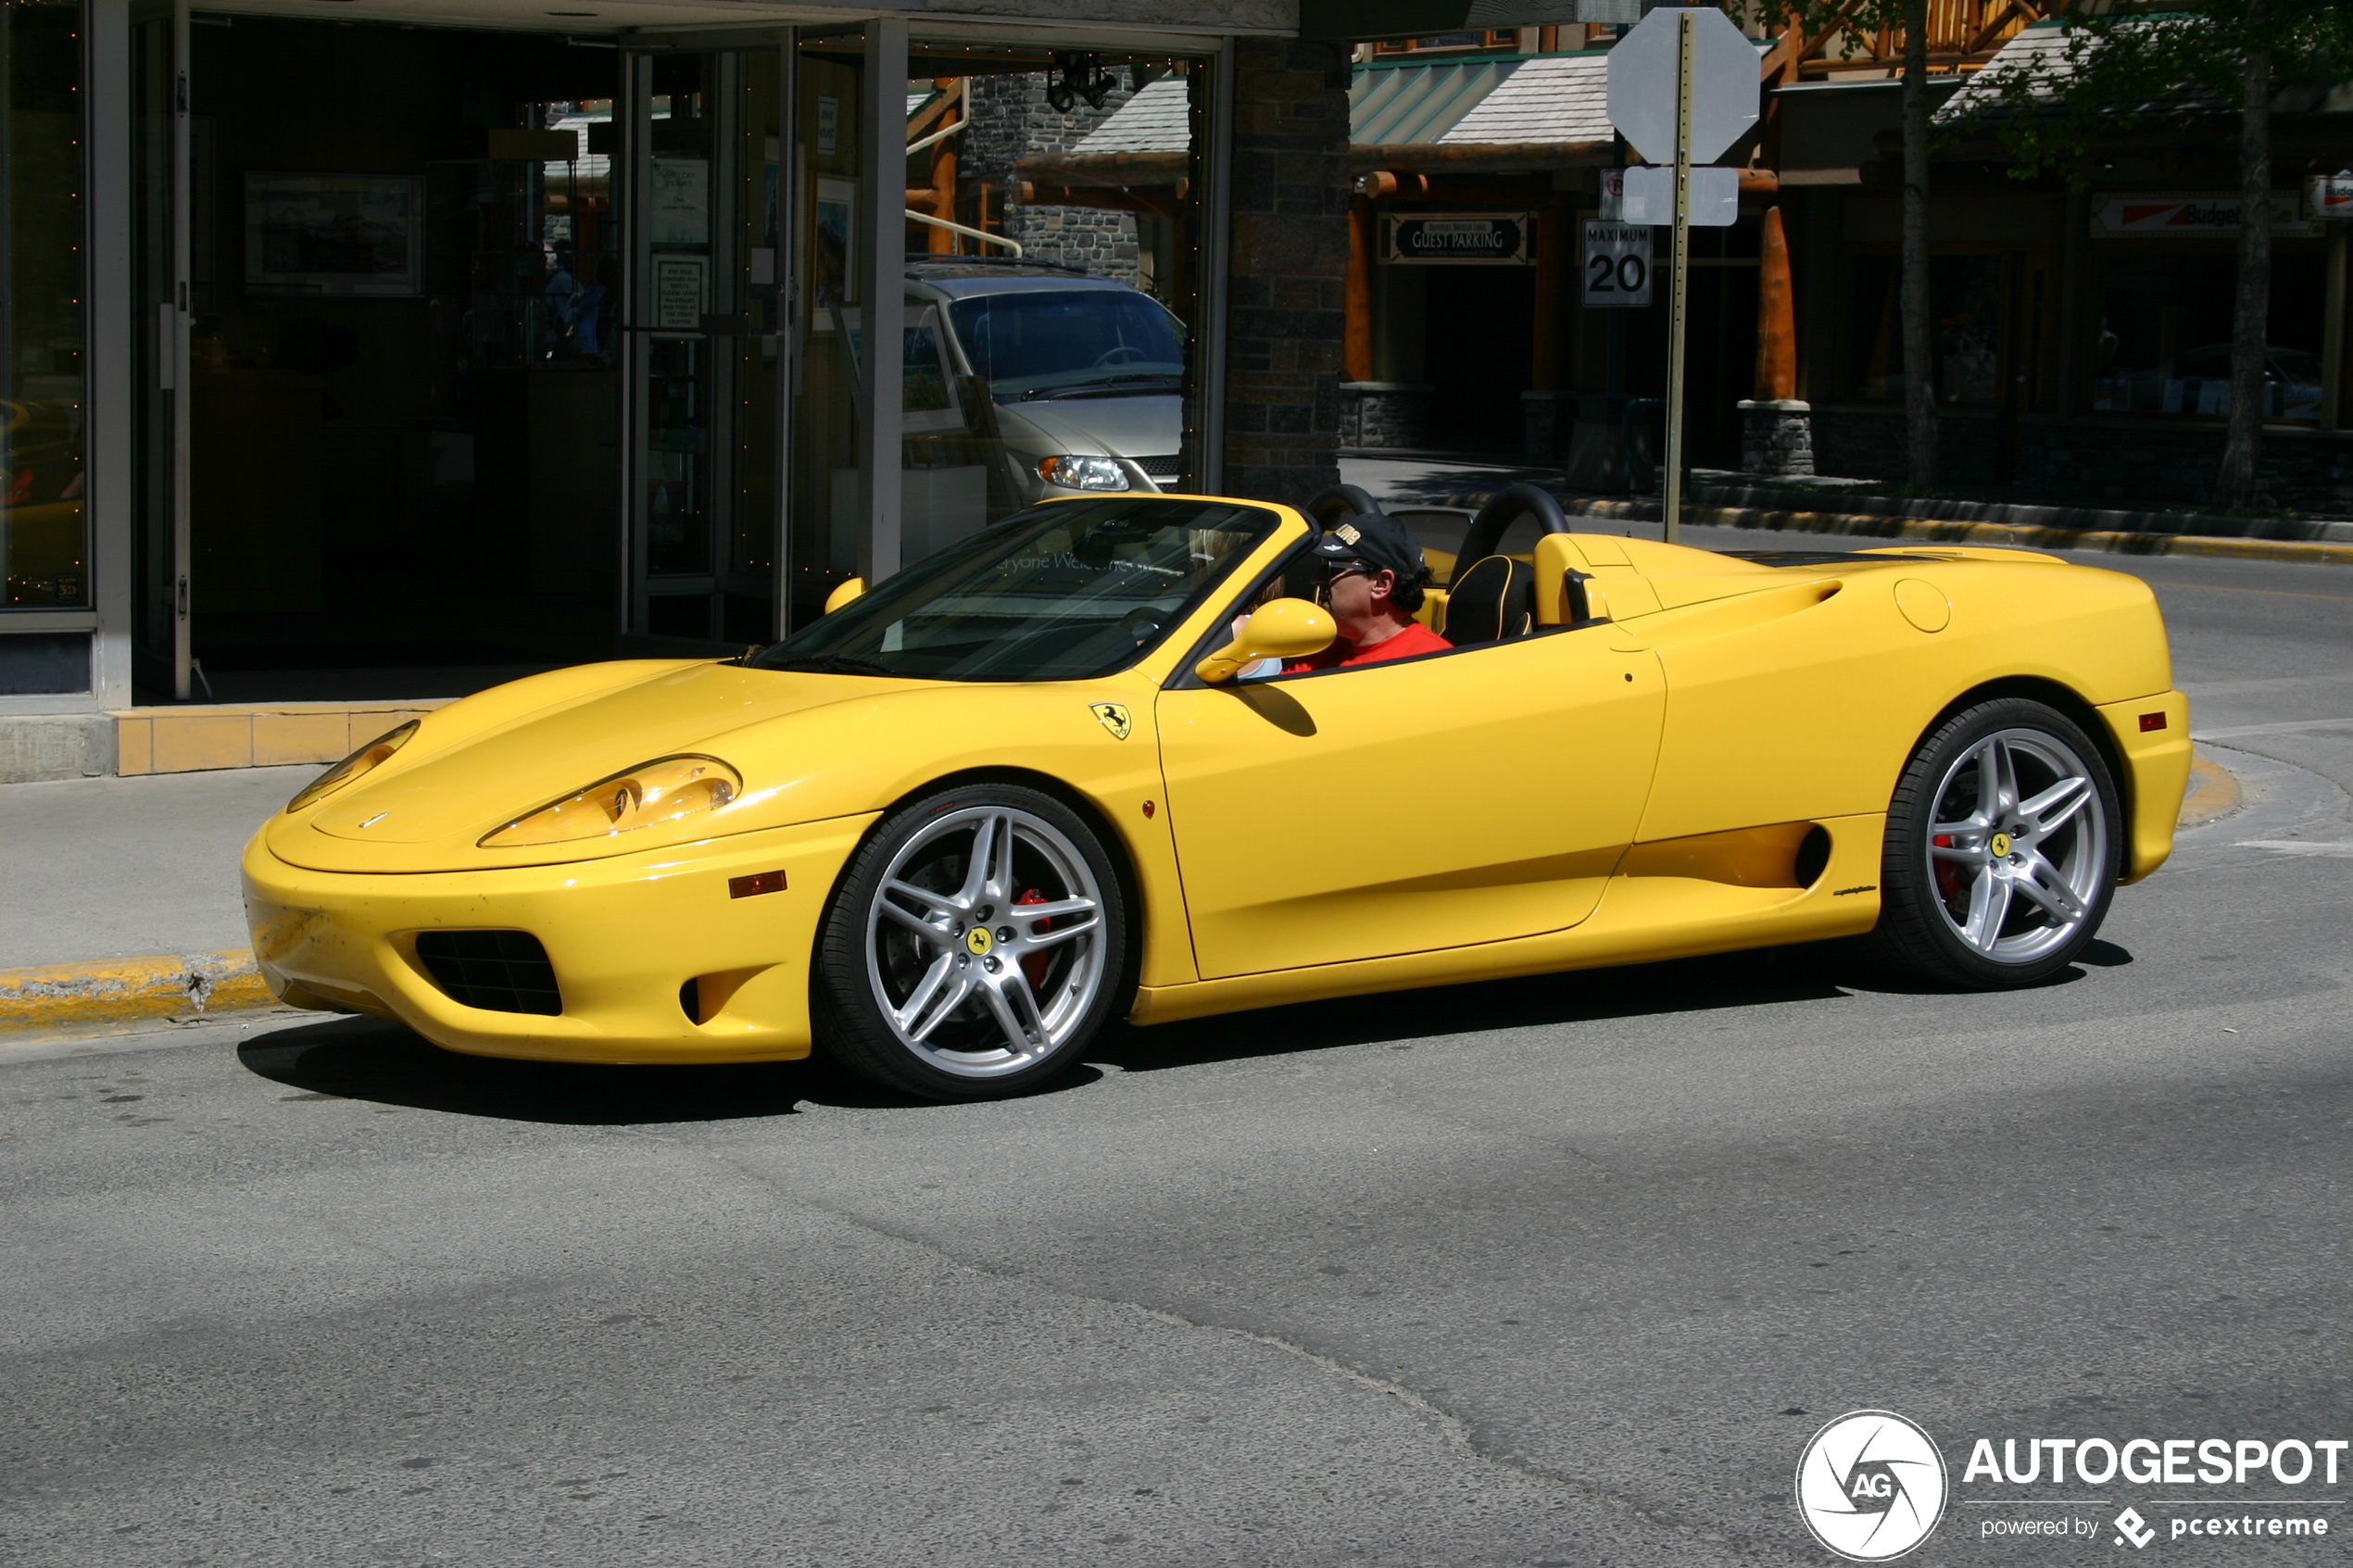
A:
(2124, 70)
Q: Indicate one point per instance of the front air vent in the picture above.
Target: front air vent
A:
(495, 971)
(1169, 466)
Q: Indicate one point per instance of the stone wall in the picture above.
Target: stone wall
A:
(1288, 268)
(1012, 120)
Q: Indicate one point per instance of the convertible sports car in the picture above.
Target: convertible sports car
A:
(948, 830)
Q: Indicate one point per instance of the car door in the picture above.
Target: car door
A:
(1436, 802)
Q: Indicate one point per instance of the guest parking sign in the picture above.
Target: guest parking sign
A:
(1491, 239)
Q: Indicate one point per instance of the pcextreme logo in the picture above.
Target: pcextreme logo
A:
(1871, 1485)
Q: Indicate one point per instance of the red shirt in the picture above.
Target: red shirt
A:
(1413, 639)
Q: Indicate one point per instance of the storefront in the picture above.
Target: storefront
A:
(387, 356)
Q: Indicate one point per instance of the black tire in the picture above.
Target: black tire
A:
(930, 978)
(1992, 899)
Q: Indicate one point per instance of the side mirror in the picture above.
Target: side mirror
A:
(854, 589)
(1284, 628)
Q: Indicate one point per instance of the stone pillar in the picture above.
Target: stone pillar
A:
(1777, 431)
(1289, 279)
(1777, 436)
(1386, 414)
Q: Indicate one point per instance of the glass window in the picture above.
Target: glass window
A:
(1067, 591)
(2162, 334)
(1965, 305)
(43, 557)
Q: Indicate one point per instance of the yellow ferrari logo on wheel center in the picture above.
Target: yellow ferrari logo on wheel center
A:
(979, 940)
(2001, 845)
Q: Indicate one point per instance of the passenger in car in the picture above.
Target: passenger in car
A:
(1372, 576)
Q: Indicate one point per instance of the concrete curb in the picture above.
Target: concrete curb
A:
(120, 992)
(1933, 530)
(2211, 793)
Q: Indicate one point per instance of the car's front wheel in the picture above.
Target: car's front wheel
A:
(2002, 849)
(973, 946)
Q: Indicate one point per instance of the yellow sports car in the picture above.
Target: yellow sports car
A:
(1058, 773)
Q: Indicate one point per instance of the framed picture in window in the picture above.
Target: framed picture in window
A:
(334, 235)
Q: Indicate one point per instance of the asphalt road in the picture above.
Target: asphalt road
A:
(1556, 1272)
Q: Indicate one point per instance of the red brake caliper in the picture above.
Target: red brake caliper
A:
(1948, 875)
(1035, 965)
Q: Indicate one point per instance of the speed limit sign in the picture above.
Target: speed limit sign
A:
(1618, 262)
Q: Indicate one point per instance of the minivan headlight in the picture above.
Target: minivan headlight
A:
(1083, 473)
(374, 753)
(664, 790)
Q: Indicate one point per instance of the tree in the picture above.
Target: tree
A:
(1806, 23)
(2119, 71)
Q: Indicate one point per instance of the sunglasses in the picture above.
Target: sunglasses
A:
(1338, 568)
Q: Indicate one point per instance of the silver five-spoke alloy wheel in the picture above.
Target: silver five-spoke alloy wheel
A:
(2016, 845)
(984, 941)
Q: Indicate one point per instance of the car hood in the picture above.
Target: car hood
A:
(1137, 426)
(808, 746)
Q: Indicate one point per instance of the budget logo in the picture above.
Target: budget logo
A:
(1870, 1486)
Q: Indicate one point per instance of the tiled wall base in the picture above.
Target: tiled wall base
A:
(188, 740)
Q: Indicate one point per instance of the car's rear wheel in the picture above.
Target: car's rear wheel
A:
(973, 946)
(2002, 849)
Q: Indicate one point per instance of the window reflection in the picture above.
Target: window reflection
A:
(44, 558)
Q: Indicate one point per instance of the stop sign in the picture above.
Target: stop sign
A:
(1724, 83)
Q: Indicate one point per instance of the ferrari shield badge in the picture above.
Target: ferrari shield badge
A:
(1112, 715)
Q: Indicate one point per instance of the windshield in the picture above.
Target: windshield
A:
(1086, 342)
(1063, 592)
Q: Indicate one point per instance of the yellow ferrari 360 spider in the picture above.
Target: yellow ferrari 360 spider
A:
(1057, 773)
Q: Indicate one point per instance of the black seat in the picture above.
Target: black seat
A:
(1492, 601)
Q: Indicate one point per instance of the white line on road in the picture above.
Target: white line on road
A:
(2298, 846)
(2231, 732)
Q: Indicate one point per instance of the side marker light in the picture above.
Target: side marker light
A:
(2152, 722)
(757, 882)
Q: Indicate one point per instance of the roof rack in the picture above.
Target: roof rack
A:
(928, 258)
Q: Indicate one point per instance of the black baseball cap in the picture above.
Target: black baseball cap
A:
(1380, 542)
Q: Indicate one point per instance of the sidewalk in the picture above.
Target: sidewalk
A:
(122, 903)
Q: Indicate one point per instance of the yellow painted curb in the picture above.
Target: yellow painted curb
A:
(128, 990)
(2210, 794)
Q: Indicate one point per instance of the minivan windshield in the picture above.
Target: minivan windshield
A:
(1062, 592)
(1075, 342)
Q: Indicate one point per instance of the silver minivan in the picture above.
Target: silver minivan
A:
(1074, 382)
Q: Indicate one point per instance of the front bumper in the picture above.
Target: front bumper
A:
(624, 935)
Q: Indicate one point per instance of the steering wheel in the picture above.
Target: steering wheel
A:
(1119, 354)
(1139, 626)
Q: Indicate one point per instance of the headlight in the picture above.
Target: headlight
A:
(660, 791)
(1083, 473)
(369, 756)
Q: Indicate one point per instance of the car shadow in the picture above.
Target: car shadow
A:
(386, 1063)
(366, 1059)
(1818, 971)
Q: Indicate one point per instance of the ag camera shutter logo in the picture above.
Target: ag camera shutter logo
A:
(1871, 1485)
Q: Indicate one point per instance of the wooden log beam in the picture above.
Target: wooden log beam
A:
(1776, 315)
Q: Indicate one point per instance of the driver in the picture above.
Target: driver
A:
(1373, 578)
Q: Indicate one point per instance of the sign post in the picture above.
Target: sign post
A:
(1679, 279)
(1683, 88)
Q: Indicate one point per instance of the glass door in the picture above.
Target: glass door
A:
(161, 242)
(707, 134)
